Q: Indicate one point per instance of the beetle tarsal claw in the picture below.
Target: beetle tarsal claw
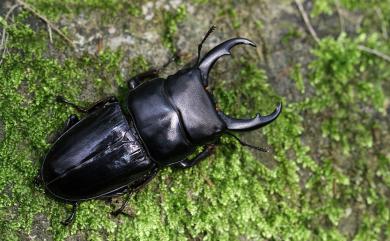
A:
(217, 52)
(258, 121)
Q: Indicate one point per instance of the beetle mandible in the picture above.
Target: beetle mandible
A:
(110, 153)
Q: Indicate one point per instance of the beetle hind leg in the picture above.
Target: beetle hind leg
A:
(72, 216)
(134, 188)
(123, 206)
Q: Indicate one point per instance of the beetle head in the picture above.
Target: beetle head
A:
(205, 66)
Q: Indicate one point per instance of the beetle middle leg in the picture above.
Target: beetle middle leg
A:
(134, 188)
(37, 181)
(187, 163)
(99, 104)
(71, 121)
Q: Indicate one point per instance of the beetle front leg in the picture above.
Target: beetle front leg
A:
(133, 82)
(99, 104)
(152, 73)
(207, 151)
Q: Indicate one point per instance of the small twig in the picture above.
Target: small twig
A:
(374, 52)
(43, 18)
(307, 21)
(208, 181)
(341, 20)
(4, 51)
(8, 14)
(315, 36)
(50, 34)
(383, 25)
(4, 36)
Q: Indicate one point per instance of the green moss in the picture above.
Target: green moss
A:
(228, 9)
(30, 80)
(298, 77)
(293, 33)
(171, 20)
(55, 9)
(344, 88)
(340, 78)
(376, 12)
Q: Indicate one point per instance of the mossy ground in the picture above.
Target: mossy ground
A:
(327, 177)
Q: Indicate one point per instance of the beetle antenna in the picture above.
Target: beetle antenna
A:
(201, 43)
(246, 144)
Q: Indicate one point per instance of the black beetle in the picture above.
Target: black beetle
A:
(110, 153)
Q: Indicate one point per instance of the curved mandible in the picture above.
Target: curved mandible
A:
(258, 121)
(220, 50)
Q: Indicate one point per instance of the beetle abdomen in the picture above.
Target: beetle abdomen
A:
(98, 155)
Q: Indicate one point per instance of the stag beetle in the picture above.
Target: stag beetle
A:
(110, 153)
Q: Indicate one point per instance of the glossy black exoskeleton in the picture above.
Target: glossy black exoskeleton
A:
(109, 152)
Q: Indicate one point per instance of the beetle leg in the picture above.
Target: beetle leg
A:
(133, 82)
(71, 217)
(134, 188)
(97, 105)
(62, 99)
(37, 180)
(207, 151)
(71, 121)
(101, 103)
(124, 204)
(152, 73)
